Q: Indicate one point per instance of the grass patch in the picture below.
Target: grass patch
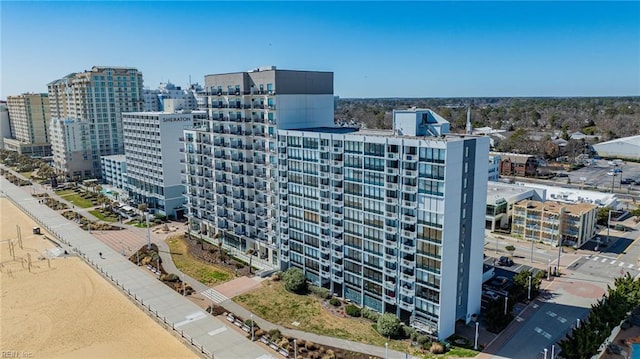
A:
(275, 304)
(101, 216)
(454, 352)
(205, 273)
(26, 175)
(65, 192)
(79, 200)
(139, 224)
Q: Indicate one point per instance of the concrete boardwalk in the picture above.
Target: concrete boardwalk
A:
(113, 244)
(208, 335)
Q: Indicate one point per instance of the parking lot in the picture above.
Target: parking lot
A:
(597, 175)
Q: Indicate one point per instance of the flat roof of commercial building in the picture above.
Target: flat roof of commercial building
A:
(497, 191)
(556, 207)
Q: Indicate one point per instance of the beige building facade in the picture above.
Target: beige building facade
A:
(554, 223)
(29, 117)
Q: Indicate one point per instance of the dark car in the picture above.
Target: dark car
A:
(505, 261)
(627, 181)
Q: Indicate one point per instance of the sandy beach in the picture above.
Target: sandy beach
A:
(63, 309)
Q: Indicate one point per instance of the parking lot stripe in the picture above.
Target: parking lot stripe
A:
(604, 260)
(621, 264)
(612, 262)
(595, 258)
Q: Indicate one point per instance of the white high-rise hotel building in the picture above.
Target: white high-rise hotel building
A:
(246, 109)
(391, 220)
(86, 117)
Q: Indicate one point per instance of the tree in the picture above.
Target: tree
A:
(510, 249)
(142, 207)
(602, 216)
(389, 325)
(521, 285)
(494, 315)
(250, 252)
(294, 280)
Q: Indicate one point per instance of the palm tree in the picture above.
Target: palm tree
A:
(250, 252)
(143, 208)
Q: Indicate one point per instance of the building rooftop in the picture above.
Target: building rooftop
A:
(384, 133)
(556, 207)
(574, 195)
(498, 192)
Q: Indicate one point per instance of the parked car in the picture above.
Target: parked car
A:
(505, 261)
(611, 173)
(627, 181)
(499, 283)
(561, 174)
(490, 295)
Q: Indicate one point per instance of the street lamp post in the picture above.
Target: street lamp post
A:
(608, 226)
(577, 322)
(549, 269)
(475, 345)
(148, 232)
(386, 350)
(559, 250)
(506, 300)
(529, 291)
(252, 334)
(553, 351)
(545, 353)
(532, 238)
(295, 349)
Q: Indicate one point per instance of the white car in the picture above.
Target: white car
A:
(611, 173)
(490, 295)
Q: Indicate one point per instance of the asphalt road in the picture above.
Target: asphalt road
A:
(569, 297)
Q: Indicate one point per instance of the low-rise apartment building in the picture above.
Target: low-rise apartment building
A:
(554, 223)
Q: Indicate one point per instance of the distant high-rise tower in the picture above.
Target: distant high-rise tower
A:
(86, 117)
(29, 115)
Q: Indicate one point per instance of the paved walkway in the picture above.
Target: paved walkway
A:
(207, 335)
(126, 241)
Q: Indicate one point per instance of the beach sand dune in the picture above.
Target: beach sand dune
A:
(67, 310)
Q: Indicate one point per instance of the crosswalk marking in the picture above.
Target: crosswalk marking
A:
(611, 261)
(214, 295)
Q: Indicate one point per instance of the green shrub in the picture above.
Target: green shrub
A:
(322, 293)
(352, 310)
(275, 335)
(370, 314)
(408, 332)
(294, 281)
(172, 277)
(423, 341)
(389, 325)
(335, 302)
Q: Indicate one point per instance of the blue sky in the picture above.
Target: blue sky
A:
(375, 49)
